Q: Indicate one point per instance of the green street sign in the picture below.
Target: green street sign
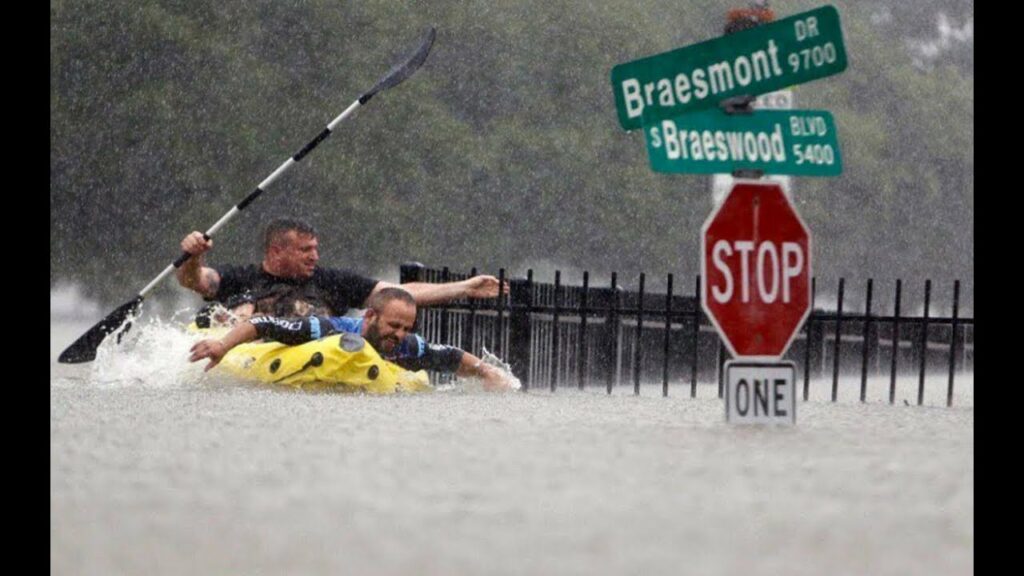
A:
(784, 53)
(797, 142)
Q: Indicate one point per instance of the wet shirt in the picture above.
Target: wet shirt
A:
(413, 353)
(336, 289)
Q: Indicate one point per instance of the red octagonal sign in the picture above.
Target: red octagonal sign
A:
(756, 264)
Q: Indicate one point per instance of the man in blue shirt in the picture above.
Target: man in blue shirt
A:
(387, 326)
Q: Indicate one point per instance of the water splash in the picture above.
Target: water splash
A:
(471, 384)
(492, 360)
(152, 353)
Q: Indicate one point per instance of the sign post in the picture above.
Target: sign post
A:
(722, 183)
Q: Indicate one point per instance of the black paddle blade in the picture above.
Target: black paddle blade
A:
(404, 69)
(84, 349)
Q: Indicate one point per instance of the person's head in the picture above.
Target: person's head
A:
(390, 316)
(290, 248)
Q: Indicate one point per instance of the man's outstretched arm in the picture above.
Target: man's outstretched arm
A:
(289, 331)
(425, 293)
(215, 349)
(417, 354)
(493, 379)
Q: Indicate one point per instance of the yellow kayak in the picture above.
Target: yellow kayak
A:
(342, 361)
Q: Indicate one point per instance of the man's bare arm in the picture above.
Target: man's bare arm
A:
(192, 274)
(493, 379)
(425, 293)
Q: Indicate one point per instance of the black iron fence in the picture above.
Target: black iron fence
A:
(555, 335)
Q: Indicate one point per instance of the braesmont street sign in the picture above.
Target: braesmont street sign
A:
(777, 55)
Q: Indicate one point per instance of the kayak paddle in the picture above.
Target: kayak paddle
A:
(84, 349)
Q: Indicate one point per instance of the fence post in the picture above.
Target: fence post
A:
(638, 344)
(612, 334)
(924, 340)
(874, 349)
(582, 359)
(471, 329)
(521, 293)
(668, 334)
(895, 343)
(952, 342)
(554, 331)
(865, 350)
(446, 337)
(413, 272)
(839, 334)
(498, 341)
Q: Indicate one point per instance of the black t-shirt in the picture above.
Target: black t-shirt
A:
(337, 288)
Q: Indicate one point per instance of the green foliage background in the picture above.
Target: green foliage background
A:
(503, 150)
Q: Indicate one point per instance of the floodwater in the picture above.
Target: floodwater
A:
(158, 469)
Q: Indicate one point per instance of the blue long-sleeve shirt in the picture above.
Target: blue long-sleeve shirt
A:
(412, 353)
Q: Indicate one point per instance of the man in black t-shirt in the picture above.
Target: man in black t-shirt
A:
(290, 256)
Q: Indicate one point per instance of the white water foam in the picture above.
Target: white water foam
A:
(503, 367)
(476, 385)
(152, 352)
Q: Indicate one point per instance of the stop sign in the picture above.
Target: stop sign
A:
(756, 264)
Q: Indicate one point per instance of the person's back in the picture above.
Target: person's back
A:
(281, 300)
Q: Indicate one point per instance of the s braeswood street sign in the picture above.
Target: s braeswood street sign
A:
(784, 53)
(797, 142)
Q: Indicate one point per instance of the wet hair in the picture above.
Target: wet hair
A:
(377, 301)
(210, 309)
(281, 226)
(289, 301)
